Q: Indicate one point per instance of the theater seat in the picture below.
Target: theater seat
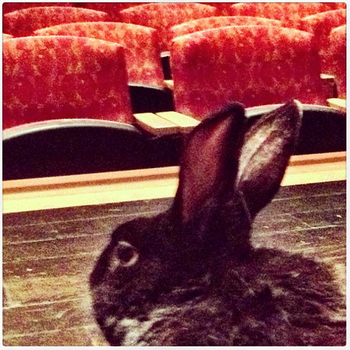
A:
(218, 21)
(142, 52)
(289, 13)
(321, 24)
(55, 77)
(336, 56)
(14, 6)
(25, 21)
(255, 65)
(162, 16)
(112, 8)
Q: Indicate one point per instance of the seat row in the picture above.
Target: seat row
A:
(79, 93)
(164, 18)
(318, 18)
(75, 76)
(160, 16)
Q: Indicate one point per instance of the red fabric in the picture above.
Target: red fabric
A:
(321, 25)
(25, 22)
(217, 22)
(288, 13)
(14, 6)
(337, 58)
(223, 8)
(255, 65)
(142, 46)
(162, 16)
(336, 5)
(112, 8)
(63, 77)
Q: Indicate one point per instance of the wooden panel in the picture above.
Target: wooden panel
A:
(155, 124)
(182, 120)
(128, 186)
(165, 123)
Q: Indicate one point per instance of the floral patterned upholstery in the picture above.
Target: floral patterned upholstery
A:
(337, 58)
(223, 8)
(288, 13)
(142, 52)
(336, 5)
(217, 22)
(14, 6)
(321, 25)
(55, 77)
(112, 8)
(255, 65)
(162, 16)
(24, 22)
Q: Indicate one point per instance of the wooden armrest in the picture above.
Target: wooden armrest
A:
(155, 124)
(338, 103)
(185, 122)
(169, 83)
(327, 76)
(165, 123)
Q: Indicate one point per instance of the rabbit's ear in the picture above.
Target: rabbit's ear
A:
(267, 146)
(209, 156)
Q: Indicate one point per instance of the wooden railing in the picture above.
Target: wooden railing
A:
(126, 186)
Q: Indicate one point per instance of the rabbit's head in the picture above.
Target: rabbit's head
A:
(189, 276)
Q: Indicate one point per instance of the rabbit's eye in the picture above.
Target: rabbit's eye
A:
(127, 254)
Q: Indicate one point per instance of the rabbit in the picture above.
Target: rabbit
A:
(190, 276)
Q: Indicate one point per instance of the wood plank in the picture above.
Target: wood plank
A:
(169, 83)
(185, 122)
(46, 267)
(77, 336)
(55, 248)
(338, 103)
(165, 123)
(155, 124)
(62, 323)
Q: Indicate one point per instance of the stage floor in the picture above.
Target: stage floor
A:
(49, 254)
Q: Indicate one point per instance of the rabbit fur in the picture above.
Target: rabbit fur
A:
(190, 275)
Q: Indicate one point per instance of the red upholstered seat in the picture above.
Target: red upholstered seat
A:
(142, 52)
(162, 16)
(56, 77)
(255, 65)
(24, 22)
(112, 8)
(218, 21)
(337, 58)
(321, 25)
(336, 5)
(14, 6)
(287, 12)
(223, 8)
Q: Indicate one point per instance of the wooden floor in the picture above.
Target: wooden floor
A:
(48, 255)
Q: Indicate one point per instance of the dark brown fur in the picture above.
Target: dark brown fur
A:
(191, 277)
